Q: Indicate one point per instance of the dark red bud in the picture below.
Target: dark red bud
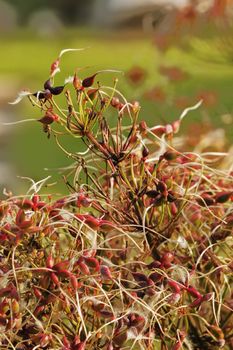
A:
(223, 197)
(171, 197)
(152, 194)
(145, 152)
(57, 90)
(105, 272)
(47, 85)
(170, 155)
(205, 200)
(88, 82)
(161, 187)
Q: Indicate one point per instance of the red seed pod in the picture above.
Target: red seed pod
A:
(197, 302)
(92, 93)
(25, 204)
(156, 277)
(152, 193)
(66, 343)
(106, 225)
(105, 272)
(80, 346)
(20, 217)
(88, 82)
(161, 187)
(63, 273)
(77, 82)
(54, 278)
(192, 291)
(154, 265)
(173, 208)
(90, 220)
(145, 152)
(140, 277)
(138, 322)
(143, 126)
(92, 263)
(174, 286)
(170, 155)
(205, 200)
(37, 293)
(159, 130)
(39, 309)
(84, 268)
(167, 259)
(74, 282)
(48, 118)
(49, 261)
(115, 102)
(62, 265)
(223, 197)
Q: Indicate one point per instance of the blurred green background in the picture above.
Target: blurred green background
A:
(33, 34)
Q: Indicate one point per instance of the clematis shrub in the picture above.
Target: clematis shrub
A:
(138, 254)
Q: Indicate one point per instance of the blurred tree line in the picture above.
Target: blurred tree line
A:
(70, 11)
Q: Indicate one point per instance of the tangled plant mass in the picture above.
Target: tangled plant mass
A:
(138, 255)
